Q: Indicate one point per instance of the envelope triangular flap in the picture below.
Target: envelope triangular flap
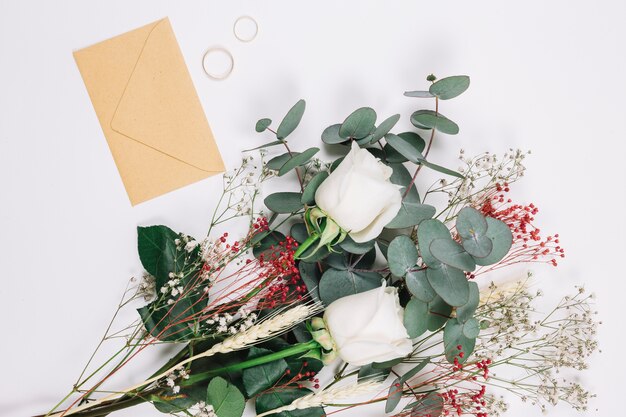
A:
(160, 107)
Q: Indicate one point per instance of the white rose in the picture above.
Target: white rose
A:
(368, 327)
(358, 195)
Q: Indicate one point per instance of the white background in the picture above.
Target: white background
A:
(546, 75)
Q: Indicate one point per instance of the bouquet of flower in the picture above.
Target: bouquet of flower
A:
(354, 273)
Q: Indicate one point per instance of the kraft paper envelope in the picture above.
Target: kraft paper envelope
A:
(149, 111)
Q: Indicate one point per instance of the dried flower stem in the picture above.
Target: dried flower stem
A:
(264, 330)
(326, 397)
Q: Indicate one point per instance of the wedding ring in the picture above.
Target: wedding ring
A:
(245, 29)
(221, 54)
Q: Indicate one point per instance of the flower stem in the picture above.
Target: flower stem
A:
(291, 351)
(306, 245)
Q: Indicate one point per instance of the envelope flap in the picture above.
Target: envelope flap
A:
(160, 107)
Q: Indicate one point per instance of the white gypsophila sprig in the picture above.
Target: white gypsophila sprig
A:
(269, 327)
(542, 347)
(327, 396)
(481, 174)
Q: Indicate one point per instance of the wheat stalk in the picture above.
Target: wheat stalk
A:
(270, 327)
(326, 396)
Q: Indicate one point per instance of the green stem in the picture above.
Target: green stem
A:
(292, 351)
(306, 245)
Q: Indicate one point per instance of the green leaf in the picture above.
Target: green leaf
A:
(358, 124)
(277, 162)
(449, 252)
(438, 313)
(467, 310)
(418, 94)
(471, 328)
(336, 283)
(369, 373)
(472, 226)
(392, 156)
(429, 406)
(261, 377)
(349, 245)
(266, 145)
(413, 137)
(401, 176)
(417, 283)
(428, 231)
(428, 119)
(163, 323)
(449, 283)
(387, 364)
(262, 124)
(158, 253)
(502, 239)
(384, 128)
(453, 338)
(441, 169)
(269, 240)
(411, 214)
(280, 398)
(284, 202)
(297, 160)
(225, 398)
(394, 396)
(291, 120)
(416, 317)
(401, 255)
(450, 87)
(311, 275)
(330, 135)
(395, 390)
(406, 147)
(308, 196)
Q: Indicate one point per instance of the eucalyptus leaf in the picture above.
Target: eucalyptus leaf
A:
(310, 275)
(453, 338)
(449, 283)
(308, 195)
(358, 124)
(349, 245)
(418, 94)
(291, 120)
(394, 395)
(449, 252)
(225, 398)
(383, 128)
(427, 231)
(330, 135)
(266, 145)
(438, 313)
(369, 373)
(467, 310)
(501, 237)
(297, 160)
(336, 283)
(429, 406)
(441, 169)
(471, 328)
(277, 162)
(401, 255)
(392, 156)
(417, 284)
(428, 119)
(269, 240)
(406, 147)
(416, 318)
(401, 176)
(411, 214)
(470, 222)
(284, 202)
(450, 87)
(413, 137)
(262, 124)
